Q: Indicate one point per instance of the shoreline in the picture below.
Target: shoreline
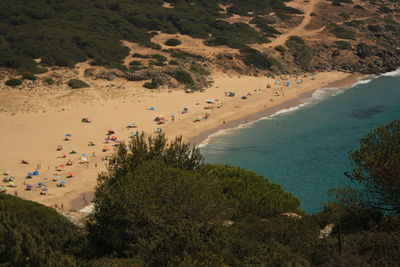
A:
(207, 135)
(34, 135)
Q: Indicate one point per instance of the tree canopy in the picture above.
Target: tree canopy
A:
(376, 166)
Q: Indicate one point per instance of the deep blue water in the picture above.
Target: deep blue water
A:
(306, 150)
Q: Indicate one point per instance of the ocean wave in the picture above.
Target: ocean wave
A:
(394, 73)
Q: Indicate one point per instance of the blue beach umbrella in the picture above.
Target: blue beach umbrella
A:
(63, 182)
(152, 108)
(68, 134)
(40, 183)
(45, 189)
(30, 174)
(57, 176)
(35, 173)
(85, 155)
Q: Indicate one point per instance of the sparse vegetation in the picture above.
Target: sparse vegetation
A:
(342, 45)
(343, 33)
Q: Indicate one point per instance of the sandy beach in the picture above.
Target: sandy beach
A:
(34, 135)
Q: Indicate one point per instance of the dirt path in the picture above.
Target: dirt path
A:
(300, 30)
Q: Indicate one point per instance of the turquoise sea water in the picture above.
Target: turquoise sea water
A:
(305, 149)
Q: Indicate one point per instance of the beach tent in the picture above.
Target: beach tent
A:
(35, 173)
(131, 125)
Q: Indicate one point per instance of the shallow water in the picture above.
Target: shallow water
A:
(305, 149)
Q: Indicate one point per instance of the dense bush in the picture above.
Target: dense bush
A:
(77, 84)
(173, 42)
(66, 32)
(34, 235)
(151, 85)
(301, 52)
(255, 58)
(183, 77)
(13, 82)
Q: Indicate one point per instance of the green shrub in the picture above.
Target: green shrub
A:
(28, 76)
(32, 234)
(173, 42)
(151, 85)
(344, 15)
(342, 45)
(13, 82)
(77, 84)
(255, 58)
(173, 62)
(159, 57)
(49, 81)
(194, 67)
(185, 55)
(261, 20)
(343, 33)
(135, 63)
(384, 10)
(280, 48)
(157, 63)
(301, 52)
(141, 56)
(183, 77)
(374, 28)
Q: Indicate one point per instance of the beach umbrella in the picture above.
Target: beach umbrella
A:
(63, 182)
(61, 165)
(68, 134)
(30, 174)
(45, 189)
(29, 186)
(152, 108)
(84, 159)
(133, 133)
(35, 173)
(41, 183)
(85, 155)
